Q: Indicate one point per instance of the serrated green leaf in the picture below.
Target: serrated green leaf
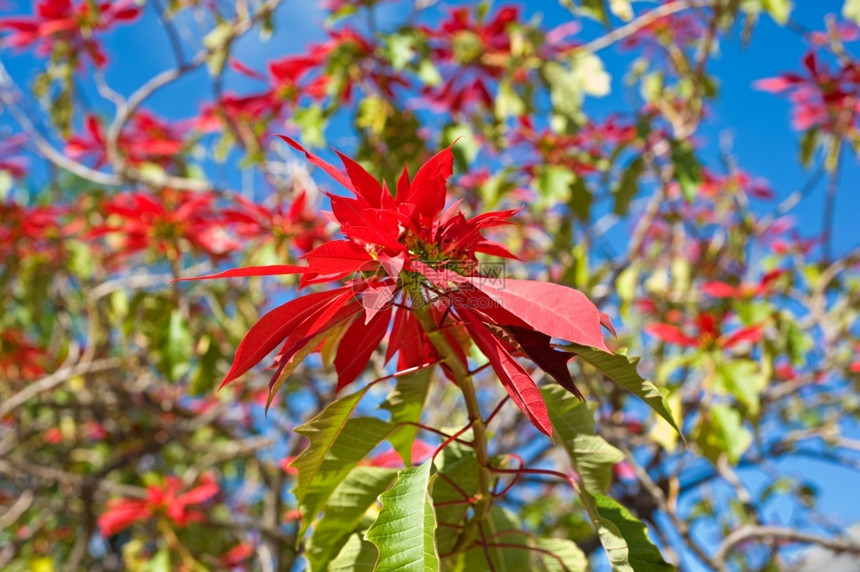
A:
(343, 511)
(623, 536)
(323, 431)
(404, 531)
(358, 438)
(628, 185)
(573, 424)
(356, 554)
(622, 370)
(568, 557)
(405, 403)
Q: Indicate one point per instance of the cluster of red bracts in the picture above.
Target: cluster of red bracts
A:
(397, 245)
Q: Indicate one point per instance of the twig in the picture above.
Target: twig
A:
(761, 533)
(642, 21)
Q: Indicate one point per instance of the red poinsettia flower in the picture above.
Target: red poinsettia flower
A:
(147, 139)
(470, 53)
(822, 98)
(706, 334)
(166, 222)
(163, 500)
(410, 256)
(723, 290)
(294, 223)
(63, 21)
(20, 359)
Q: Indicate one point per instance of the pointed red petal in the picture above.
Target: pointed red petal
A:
(272, 329)
(403, 185)
(338, 256)
(428, 189)
(514, 378)
(251, 271)
(365, 184)
(314, 160)
(357, 346)
(538, 349)
(671, 335)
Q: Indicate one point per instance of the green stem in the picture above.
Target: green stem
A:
(463, 377)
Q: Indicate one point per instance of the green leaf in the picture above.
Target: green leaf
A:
(553, 183)
(628, 185)
(742, 379)
(851, 11)
(404, 531)
(588, 73)
(580, 199)
(622, 9)
(779, 10)
(573, 423)
(808, 144)
(623, 536)
(405, 403)
(467, 148)
(342, 513)
(356, 554)
(358, 438)
(178, 345)
(722, 432)
(622, 370)
(312, 123)
(688, 171)
(400, 50)
(323, 432)
(568, 556)
(592, 8)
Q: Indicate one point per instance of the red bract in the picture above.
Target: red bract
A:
(168, 223)
(408, 246)
(582, 151)
(470, 53)
(714, 185)
(293, 224)
(707, 333)
(20, 359)
(62, 21)
(822, 98)
(147, 139)
(29, 231)
(164, 500)
(723, 290)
